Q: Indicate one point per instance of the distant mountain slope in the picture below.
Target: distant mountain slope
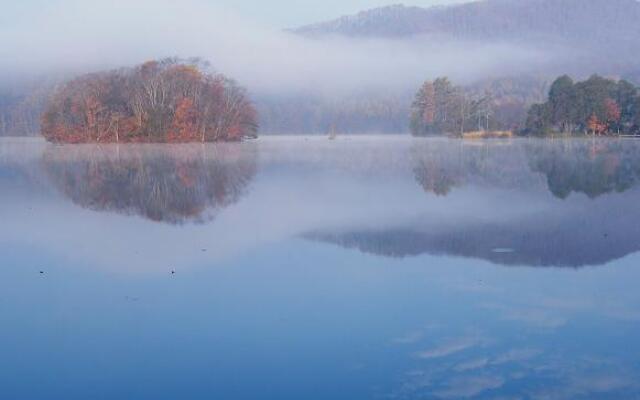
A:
(572, 20)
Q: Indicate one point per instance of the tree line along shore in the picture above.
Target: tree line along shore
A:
(597, 106)
(173, 100)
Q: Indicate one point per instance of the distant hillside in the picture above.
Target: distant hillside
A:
(569, 20)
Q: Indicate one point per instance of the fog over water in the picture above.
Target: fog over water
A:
(397, 197)
(74, 36)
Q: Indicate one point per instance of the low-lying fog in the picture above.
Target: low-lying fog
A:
(73, 36)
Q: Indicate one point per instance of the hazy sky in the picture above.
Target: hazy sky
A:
(276, 13)
(288, 13)
(75, 36)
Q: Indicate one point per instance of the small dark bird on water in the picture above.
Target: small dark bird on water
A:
(173, 272)
(41, 272)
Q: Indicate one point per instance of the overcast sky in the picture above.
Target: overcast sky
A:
(275, 13)
(243, 39)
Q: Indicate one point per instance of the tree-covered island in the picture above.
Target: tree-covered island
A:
(159, 101)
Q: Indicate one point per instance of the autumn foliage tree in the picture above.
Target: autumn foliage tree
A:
(441, 108)
(433, 110)
(159, 101)
(595, 126)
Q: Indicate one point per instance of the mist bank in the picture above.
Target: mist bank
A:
(74, 37)
(300, 84)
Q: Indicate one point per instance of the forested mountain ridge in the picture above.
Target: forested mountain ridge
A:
(396, 20)
(573, 20)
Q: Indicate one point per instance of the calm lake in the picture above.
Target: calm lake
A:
(304, 268)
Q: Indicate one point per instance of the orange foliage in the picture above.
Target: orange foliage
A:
(429, 114)
(159, 101)
(185, 121)
(596, 126)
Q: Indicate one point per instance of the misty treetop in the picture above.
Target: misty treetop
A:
(597, 106)
(159, 101)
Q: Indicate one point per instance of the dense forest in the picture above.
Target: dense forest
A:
(159, 101)
(115, 106)
(577, 21)
(440, 108)
(306, 112)
(593, 33)
(597, 106)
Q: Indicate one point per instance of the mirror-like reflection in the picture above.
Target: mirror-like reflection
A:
(356, 268)
(169, 184)
(590, 167)
(593, 168)
(511, 191)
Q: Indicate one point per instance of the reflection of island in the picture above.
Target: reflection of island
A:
(172, 184)
(527, 215)
(442, 167)
(593, 168)
(590, 167)
(436, 171)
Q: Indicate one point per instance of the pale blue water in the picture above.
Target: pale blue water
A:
(303, 268)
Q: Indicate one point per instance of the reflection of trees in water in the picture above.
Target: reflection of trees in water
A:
(572, 233)
(441, 166)
(173, 184)
(592, 167)
(435, 173)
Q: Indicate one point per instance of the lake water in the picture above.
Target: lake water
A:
(304, 268)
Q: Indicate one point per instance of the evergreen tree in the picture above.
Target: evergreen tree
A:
(538, 120)
(562, 100)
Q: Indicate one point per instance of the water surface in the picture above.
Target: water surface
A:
(303, 268)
